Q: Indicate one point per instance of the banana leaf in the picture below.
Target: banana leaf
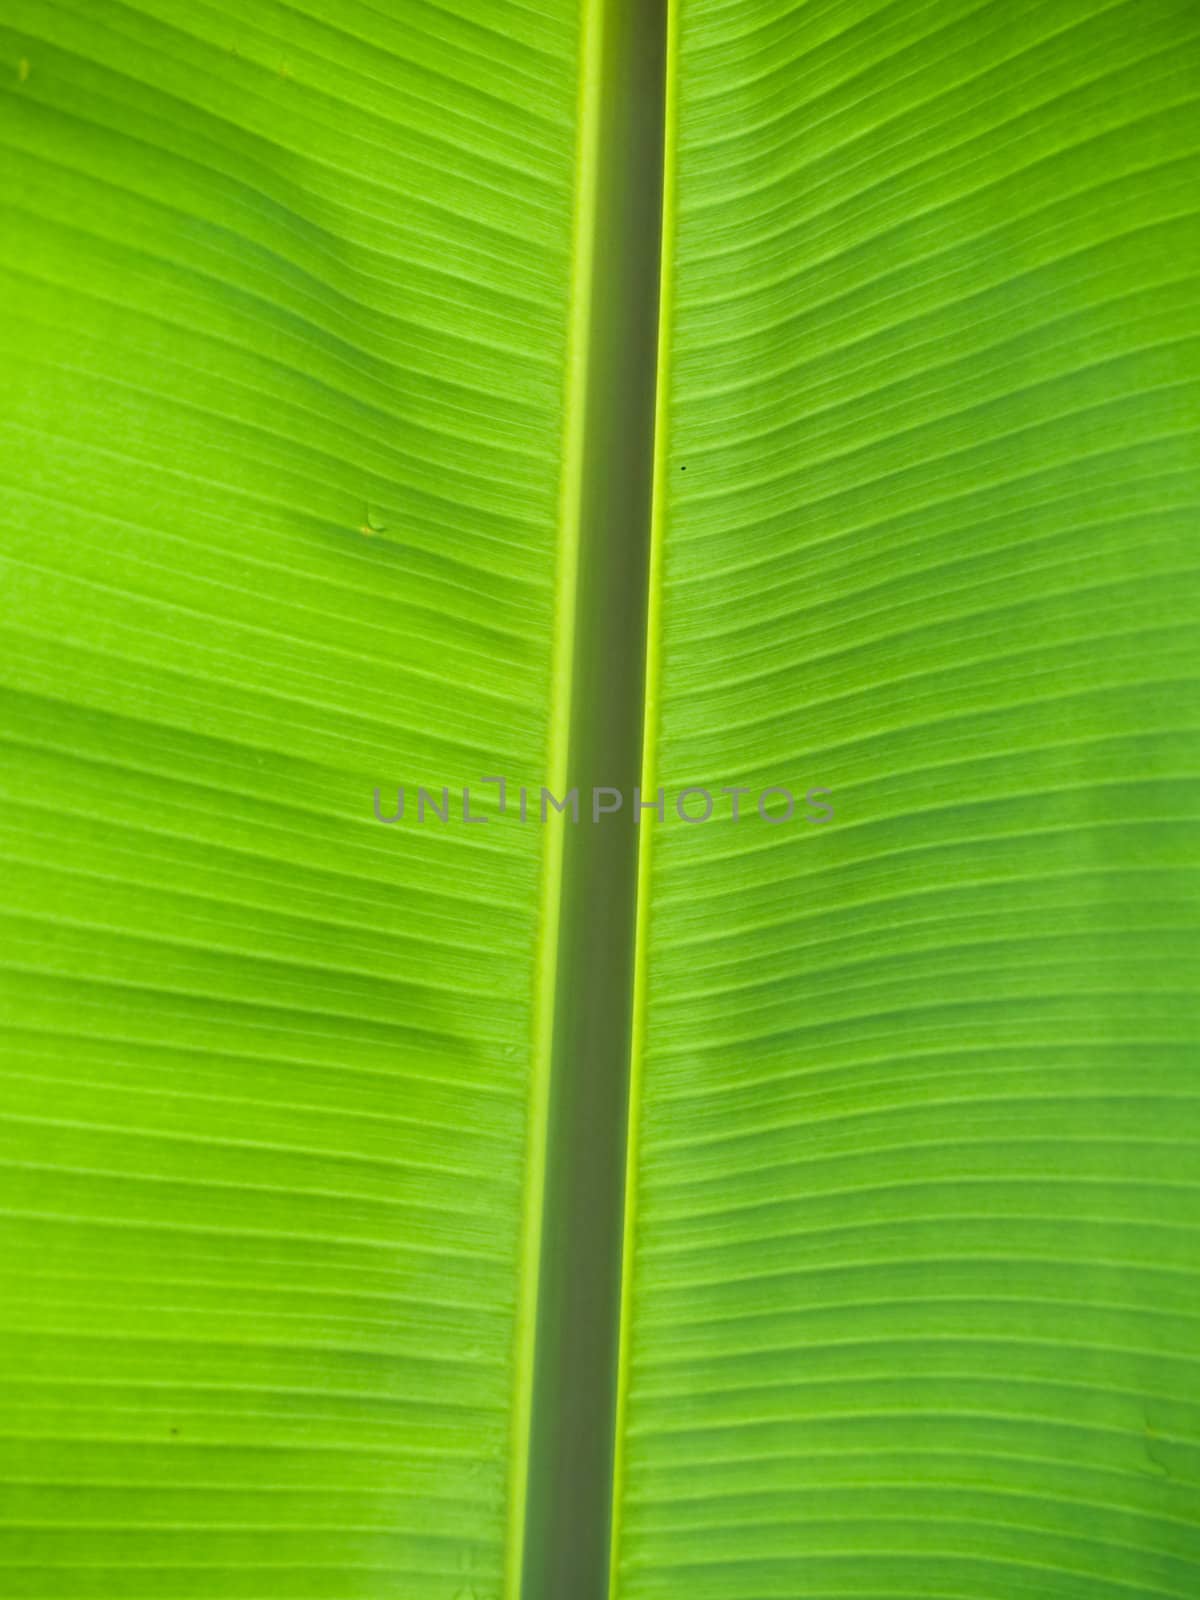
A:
(410, 408)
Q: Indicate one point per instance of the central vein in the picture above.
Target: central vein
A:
(560, 1551)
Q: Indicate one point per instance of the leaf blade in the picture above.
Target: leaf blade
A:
(284, 430)
(907, 1307)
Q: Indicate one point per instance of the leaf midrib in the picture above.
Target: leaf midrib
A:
(563, 1475)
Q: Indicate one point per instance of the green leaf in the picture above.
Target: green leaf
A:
(325, 459)
(912, 1305)
(288, 293)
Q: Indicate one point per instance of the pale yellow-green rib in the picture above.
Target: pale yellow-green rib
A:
(649, 735)
(558, 746)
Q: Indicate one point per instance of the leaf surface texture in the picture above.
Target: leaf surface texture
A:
(287, 296)
(912, 1306)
